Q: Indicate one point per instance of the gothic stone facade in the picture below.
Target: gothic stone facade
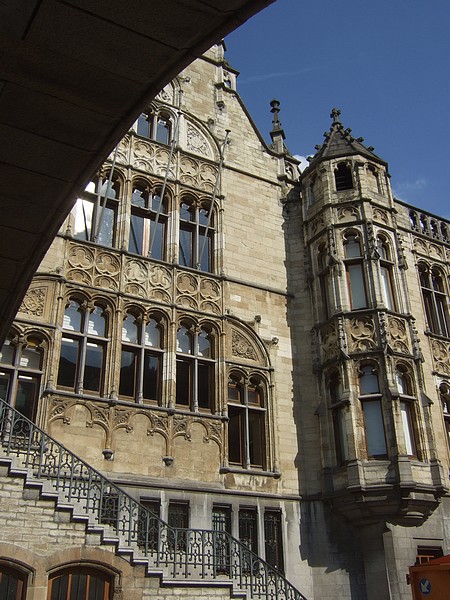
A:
(243, 347)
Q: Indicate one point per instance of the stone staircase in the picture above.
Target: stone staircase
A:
(40, 477)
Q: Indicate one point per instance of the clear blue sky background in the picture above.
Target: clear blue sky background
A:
(384, 63)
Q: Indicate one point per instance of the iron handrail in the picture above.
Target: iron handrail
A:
(181, 553)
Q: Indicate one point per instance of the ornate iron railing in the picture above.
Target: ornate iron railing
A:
(189, 554)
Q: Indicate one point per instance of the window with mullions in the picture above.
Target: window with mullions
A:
(386, 273)
(196, 235)
(354, 268)
(248, 528)
(80, 583)
(247, 422)
(12, 583)
(221, 522)
(141, 359)
(95, 212)
(343, 177)
(273, 539)
(156, 127)
(83, 348)
(20, 375)
(406, 394)
(148, 224)
(370, 398)
(434, 299)
(195, 369)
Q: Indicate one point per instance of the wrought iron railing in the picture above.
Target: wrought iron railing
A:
(183, 554)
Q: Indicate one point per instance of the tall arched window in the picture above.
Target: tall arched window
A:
(343, 177)
(83, 348)
(406, 394)
(141, 359)
(247, 421)
(338, 414)
(386, 272)
(370, 398)
(80, 583)
(354, 268)
(148, 224)
(95, 212)
(195, 374)
(325, 282)
(196, 235)
(434, 299)
(20, 375)
(444, 393)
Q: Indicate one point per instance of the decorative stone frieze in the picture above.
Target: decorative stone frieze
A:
(349, 213)
(397, 333)
(34, 302)
(381, 216)
(196, 141)
(330, 342)
(362, 334)
(441, 356)
(198, 292)
(93, 266)
(197, 173)
(147, 280)
(242, 347)
(148, 157)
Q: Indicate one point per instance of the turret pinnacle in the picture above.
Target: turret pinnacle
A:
(339, 143)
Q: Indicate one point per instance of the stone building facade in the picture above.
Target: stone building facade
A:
(241, 348)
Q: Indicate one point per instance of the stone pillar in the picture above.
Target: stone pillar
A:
(377, 585)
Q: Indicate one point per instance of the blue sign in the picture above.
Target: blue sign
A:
(425, 586)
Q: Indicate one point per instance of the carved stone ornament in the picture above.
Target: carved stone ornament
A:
(34, 302)
(348, 213)
(242, 347)
(93, 266)
(421, 246)
(147, 280)
(317, 224)
(123, 150)
(166, 94)
(362, 334)
(196, 141)
(441, 356)
(381, 216)
(330, 342)
(398, 336)
(146, 156)
(436, 251)
(198, 174)
(198, 293)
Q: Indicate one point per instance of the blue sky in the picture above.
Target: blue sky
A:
(384, 64)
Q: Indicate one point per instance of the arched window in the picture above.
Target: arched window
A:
(13, 583)
(434, 299)
(406, 393)
(195, 374)
(148, 224)
(370, 398)
(20, 375)
(372, 179)
(338, 414)
(247, 422)
(80, 583)
(354, 268)
(156, 126)
(196, 235)
(386, 273)
(343, 177)
(325, 282)
(95, 212)
(444, 393)
(83, 348)
(141, 359)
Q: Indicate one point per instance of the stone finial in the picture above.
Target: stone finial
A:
(335, 115)
(275, 104)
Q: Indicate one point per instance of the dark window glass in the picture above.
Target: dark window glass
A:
(95, 213)
(195, 369)
(12, 583)
(196, 236)
(273, 539)
(80, 583)
(148, 528)
(343, 178)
